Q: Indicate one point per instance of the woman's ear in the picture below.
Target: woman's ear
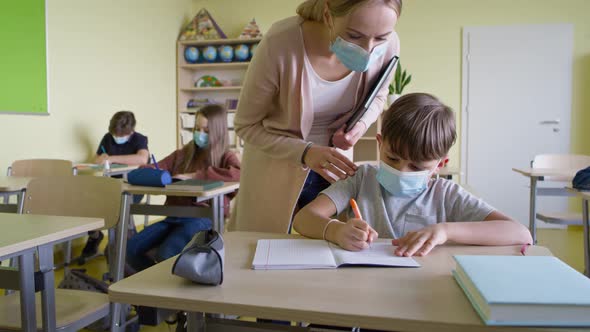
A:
(328, 21)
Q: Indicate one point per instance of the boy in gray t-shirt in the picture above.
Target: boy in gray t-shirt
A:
(400, 200)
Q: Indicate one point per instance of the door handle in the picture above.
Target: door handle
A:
(548, 122)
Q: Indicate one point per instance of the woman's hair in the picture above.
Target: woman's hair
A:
(313, 10)
(218, 140)
(418, 127)
(122, 123)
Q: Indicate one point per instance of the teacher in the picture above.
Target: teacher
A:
(309, 74)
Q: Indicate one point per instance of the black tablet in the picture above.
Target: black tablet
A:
(382, 79)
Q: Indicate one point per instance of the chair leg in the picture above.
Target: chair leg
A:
(146, 218)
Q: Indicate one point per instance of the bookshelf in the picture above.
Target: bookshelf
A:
(189, 73)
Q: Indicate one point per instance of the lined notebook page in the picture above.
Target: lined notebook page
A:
(296, 254)
(378, 254)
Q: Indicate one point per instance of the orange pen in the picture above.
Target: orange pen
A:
(357, 212)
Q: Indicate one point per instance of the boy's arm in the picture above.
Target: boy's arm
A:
(311, 220)
(314, 219)
(139, 158)
(497, 229)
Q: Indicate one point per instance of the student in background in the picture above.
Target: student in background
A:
(206, 157)
(121, 145)
(400, 199)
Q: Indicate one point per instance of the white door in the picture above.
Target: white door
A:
(516, 103)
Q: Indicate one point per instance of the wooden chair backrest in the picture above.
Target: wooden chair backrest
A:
(75, 196)
(41, 167)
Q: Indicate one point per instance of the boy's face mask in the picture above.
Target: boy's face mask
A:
(404, 184)
(201, 139)
(121, 140)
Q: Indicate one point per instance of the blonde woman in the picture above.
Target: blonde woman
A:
(308, 76)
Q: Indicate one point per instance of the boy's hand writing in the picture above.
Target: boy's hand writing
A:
(354, 235)
(421, 242)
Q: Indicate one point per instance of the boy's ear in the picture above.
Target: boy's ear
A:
(442, 162)
(379, 140)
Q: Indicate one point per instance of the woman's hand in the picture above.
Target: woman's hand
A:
(324, 160)
(421, 242)
(345, 141)
(354, 235)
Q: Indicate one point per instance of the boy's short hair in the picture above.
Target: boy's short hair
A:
(418, 127)
(122, 123)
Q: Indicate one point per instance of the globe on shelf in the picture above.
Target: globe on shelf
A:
(191, 54)
(252, 49)
(210, 54)
(242, 52)
(226, 53)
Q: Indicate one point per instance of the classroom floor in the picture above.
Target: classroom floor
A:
(566, 244)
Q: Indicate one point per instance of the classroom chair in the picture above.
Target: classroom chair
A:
(81, 196)
(45, 167)
(561, 161)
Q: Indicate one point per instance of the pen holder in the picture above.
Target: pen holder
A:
(149, 177)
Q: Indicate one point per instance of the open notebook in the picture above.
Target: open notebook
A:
(301, 254)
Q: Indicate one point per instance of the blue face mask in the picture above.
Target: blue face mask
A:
(121, 140)
(355, 57)
(404, 184)
(201, 139)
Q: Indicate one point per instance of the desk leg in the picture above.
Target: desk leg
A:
(48, 294)
(586, 237)
(117, 261)
(217, 210)
(533, 210)
(27, 292)
(195, 322)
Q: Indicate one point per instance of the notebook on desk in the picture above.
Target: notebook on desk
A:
(302, 254)
(194, 185)
(524, 290)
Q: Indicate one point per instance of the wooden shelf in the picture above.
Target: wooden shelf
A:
(214, 88)
(216, 65)
(219, 41)
(195, 110)
(367, 139)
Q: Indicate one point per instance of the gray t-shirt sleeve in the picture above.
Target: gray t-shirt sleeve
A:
(340, 192)
(461, 205)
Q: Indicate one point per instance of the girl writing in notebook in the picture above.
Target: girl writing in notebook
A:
(207, 156)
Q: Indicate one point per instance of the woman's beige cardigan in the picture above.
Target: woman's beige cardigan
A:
(274, 117)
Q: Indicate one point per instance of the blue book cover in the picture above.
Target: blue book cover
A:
(524, 290)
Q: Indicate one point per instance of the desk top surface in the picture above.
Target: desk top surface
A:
(406, 299)
(26, 231)
(227, 187)
(538, 172)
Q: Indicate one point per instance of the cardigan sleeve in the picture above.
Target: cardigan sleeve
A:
(258, 99)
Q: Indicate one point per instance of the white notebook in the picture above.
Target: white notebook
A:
(302, 254)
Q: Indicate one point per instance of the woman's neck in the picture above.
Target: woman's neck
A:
(316, 42)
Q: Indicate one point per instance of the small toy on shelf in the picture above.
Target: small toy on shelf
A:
(207, 81)
(202, 27)
(250, 31)
(242, 52)
(191, 54)
(226, 53)
(209, 53)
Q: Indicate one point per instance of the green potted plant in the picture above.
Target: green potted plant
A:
(400, 80)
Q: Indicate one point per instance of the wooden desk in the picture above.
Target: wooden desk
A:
(400, 299)
(98, 170)
(21, 236)
(216, 210)
(540, 174)
(585, 196)
(13, 185)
